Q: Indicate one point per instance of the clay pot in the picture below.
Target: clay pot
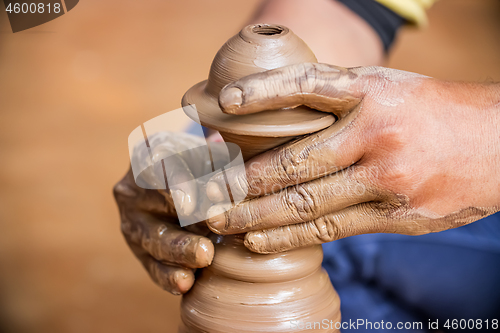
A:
(256, 48)
(248, 292)
(243, 291)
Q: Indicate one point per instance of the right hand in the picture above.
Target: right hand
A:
(150, 225)
(409, 155)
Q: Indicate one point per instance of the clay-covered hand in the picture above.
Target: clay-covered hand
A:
(149, 220)
(409, 154)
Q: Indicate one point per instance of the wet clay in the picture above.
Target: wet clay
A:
(244, 291)
(256, 48)
(253, 145)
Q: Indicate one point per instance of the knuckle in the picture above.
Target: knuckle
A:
(257, 86)
(161, 231)
(116, 191)
(122, 189)
(301, 202)
(286, 170)
(249, 216)
(161, 278)
(125, 227)
(327, 229)
(242, 186)
(129, 231)
(133, 231)
(305, 77)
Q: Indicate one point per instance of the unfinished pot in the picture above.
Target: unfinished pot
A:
(242, 291)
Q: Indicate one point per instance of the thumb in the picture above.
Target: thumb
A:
(322, 87)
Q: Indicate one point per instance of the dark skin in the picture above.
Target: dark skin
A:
(383, 186)
(409, 154)
(149, 220)
(144, 212)
(149, 224)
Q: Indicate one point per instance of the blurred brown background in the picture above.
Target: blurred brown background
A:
(73, 89)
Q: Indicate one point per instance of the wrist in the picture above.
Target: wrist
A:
(478, 122)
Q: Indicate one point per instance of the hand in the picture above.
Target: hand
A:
(409, 154)
(149, 220)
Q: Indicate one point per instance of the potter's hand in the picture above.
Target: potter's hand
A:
(150, 225)
(409, 154)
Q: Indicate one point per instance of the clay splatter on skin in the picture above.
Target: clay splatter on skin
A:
(373, 148)
(302, 158)
(347, 223)
(161, 247)
(373, 142)
(306, 219)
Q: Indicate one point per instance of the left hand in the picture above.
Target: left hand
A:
(149, 219)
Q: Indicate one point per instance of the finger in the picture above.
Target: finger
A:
(176, 160)
(355, 220)
(176, 280)
(296, 204)
(179, 179)
(322, 87)
(167, 242)
(328, 151)
(386, 216)
(130, 196)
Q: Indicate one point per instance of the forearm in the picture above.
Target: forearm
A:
(333, 32)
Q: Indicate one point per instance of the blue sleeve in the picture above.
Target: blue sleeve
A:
(446, 275)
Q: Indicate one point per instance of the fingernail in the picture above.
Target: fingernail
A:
(230, 99)
(183, 202)
(256, 242)
(215, 218)
(204, 253)
(183, 280)
(214, 192)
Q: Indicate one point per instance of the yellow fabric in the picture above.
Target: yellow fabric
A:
(412, 10)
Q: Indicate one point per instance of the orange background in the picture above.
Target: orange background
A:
(72, 90)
